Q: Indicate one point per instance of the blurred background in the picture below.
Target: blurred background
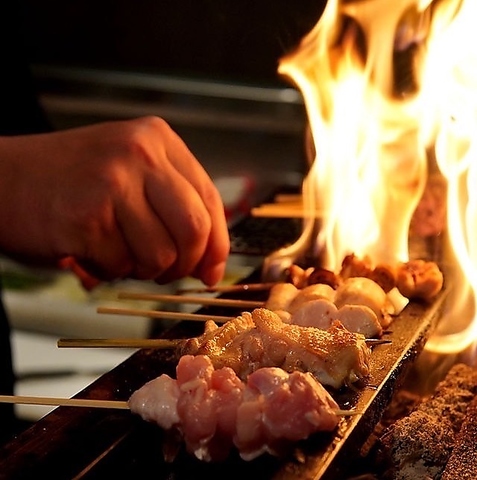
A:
(209, 68)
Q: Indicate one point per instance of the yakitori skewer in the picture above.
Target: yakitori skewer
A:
(210, 301)
(94, 403)
(160, 343)
(283, 211)
(163, 314)
(245, 287)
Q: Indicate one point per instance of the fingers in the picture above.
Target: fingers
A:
(211, 267)
(181, 209)
(165, 219)
(87, 281)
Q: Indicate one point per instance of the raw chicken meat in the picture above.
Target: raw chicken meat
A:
(215, 411)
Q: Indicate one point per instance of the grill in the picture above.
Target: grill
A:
(73, 442)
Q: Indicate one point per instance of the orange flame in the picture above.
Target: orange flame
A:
(391, 88)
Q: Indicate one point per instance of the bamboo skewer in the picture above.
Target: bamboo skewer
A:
(66, 402)
(288, 198)
(161, 343)
(163, 314)
(219, 302)
(246, 287)
(93, 403)
(283, 212)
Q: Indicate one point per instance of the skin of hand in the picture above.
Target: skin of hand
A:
(121, 199)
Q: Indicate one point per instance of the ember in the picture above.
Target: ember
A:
(419, 436)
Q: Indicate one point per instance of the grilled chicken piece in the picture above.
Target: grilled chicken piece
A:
(360, 319)
(215, 338)
(419, 279)
(318, 313)
(215, 411)
(309, 293)
(364, 291)
(280, 297)
(335, 356)
(322, 313)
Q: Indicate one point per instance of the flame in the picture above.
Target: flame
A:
(390, 90)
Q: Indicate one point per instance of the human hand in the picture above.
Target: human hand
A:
(123, 199)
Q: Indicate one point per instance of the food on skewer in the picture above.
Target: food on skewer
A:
(311, 292)
(215, 411)
(370, 296)
(257, 339)
(359, 303)
(419, 279)
(365, 292)
(280, 297)
(415, 279)
(323, 313)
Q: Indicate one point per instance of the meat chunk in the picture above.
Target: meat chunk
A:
(419, 279)
(216, 411)
(311, 292)
(322, 314)
(280, 297)
(360, 319)
(364, 291)
(278, 407)
(335, 356)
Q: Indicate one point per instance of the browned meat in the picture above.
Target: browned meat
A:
(215, 338)
(364, 291)
(419, 279)
(309, 293)
(335, 356)
(280, 297)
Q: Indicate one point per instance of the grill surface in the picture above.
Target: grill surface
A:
(100, 443)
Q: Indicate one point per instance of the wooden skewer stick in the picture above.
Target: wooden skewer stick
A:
(92, 403)
(219, 302)
(246, 287)
(282, 211)
(377, 341)
(161, 343)
(61, 401)
(163, 314)
(288, 198)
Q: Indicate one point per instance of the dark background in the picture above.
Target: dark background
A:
(230, 40)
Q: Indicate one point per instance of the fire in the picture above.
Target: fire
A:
(390, 90)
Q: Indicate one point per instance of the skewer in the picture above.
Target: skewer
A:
(163, 314)
(93, 403)
(246, 287)
(161, 343)
(288, 198)
(66, 402)
(376, 341)
(219, 302)
(282, 211)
